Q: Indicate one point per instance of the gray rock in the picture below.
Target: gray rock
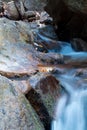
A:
(15, 111)
(17, 54)
(37, 5)
(11, 11)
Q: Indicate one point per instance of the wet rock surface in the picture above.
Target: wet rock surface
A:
(33, 61)
(20, 61)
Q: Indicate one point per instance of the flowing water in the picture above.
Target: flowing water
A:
(71, 107)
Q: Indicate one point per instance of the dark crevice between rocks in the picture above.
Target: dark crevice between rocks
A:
(25, 77)
(35, 99)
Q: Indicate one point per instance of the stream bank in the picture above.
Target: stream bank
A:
(33, 61)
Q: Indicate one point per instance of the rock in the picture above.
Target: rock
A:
(13, 31)
(48, 88)
(50, 58)
(17, 56)
(16, 112)
(79, 6)
(1, 7)
(10, 11)
(37, 5)
(43, 96)
(20, 8)
(45, 18)
(78, 44)
(15, 53)
(70, 17)
(23, 85)
(48, 41)
(31, 15)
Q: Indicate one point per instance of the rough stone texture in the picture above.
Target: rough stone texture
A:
(43, 96)
(48, 88)
(15, 31)
(15, 111)
(17, 55)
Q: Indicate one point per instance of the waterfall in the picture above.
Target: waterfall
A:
(71, 108)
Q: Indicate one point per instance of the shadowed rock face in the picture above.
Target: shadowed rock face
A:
(70, 16)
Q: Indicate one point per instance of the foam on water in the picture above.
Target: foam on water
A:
(71, 116)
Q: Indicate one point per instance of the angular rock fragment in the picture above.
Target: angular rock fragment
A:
(15, 111)
(48, 89)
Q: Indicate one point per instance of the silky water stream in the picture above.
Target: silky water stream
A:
(71, 108)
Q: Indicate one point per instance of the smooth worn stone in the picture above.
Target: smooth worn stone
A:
(37, 5)
(15, 31)
(17, 54)
(16, 112)
(18, 60)
(10, 10)
(23, 85)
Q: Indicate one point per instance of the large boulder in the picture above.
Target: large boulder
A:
(15, 111)
(17, 54)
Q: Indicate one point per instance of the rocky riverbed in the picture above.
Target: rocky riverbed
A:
(32, 61)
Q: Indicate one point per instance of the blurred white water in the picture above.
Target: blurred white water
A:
(70, 111)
